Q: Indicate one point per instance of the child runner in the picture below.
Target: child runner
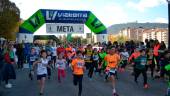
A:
(124, 57)
(95, 59)
(50, 62)
(102, 62)
(32, 58)
(61, 65)
(78, 67)
(42, 64)
(134, 56)
(150, 63)
(112, 59)
(88, 59)
(140, 67)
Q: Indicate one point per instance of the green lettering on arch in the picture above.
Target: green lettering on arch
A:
(94, 24)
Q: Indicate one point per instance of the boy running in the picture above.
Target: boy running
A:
(112, 60)
(140, 67)
(78, 67)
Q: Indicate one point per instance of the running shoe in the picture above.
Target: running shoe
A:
(49, 77)
(146, 86)
(8, 85)
(115, 94)
(136, 81)
(133, 74)
(41, 94)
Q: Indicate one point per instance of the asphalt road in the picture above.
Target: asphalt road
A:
(22, 86)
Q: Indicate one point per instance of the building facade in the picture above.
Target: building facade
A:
(139, 31)
(161, 34)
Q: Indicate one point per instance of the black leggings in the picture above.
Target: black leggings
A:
(6, 81)
(49, 71)
(77, 79)
(20, 63)
(138, 72)
(157, 62)
(124, 63)
(152, 68)
(91, 69)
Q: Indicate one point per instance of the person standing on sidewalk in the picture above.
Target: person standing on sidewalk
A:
(9, 71)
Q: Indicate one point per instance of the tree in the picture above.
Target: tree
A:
(9, 19)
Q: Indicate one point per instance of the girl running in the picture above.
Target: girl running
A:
(61, 66)
(78, 67)
(42, 64)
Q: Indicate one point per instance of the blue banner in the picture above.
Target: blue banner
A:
(65, 16)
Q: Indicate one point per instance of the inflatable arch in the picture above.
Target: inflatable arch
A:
(43, 16)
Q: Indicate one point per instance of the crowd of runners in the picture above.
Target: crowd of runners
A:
(105, 60)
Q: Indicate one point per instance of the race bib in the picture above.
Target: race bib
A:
(87, 57)
(32, 58)
(60, 64)
(113, 70)
(143, 62)
(49, 58)
(79, 64)
(95, 57)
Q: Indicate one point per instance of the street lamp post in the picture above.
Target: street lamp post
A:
(25, 38)
(168, 24)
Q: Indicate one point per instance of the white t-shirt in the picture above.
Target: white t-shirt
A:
(49, 58)
(37, 50)
(54, 51)
(41, 68)
(124, 55)
(61, 64)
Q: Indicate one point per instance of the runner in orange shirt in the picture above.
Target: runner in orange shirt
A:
(112, 59)
(78, 67)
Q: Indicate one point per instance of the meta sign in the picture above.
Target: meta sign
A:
(62, 28)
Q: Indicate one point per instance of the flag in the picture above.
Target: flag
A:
(69, 37)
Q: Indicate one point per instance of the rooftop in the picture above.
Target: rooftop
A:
(114, 29)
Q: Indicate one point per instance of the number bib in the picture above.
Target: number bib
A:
(79, 64)
(95, 57)
(143, 62)
(32, 58)
(60, 64)
(113, 70)
(49, 58)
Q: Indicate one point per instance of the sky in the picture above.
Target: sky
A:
(108, 11)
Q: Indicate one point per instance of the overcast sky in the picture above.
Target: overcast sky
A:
(108, 11)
